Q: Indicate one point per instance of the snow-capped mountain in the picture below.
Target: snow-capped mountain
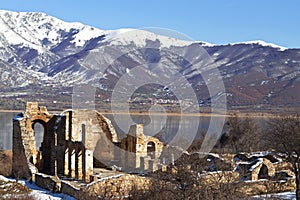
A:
(39, 50)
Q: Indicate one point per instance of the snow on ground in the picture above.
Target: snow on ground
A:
(39, 193)
(284, 196)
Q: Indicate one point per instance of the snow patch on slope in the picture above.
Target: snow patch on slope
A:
(31, 28)
(85, 34)
(140, 38)
(263, 43)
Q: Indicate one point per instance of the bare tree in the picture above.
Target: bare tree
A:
(189, 179)
(241, 135)
(283, 136)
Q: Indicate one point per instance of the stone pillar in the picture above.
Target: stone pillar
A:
(153, 165)
(117, 155)
(136, 160)
(174, 170)
(125, 158)
(80, 170)
(76, 163)
(73, 163)
(20, 168)
(88, 164)
(164, 167)
(54, 152)
(144, 163)
(66, 164)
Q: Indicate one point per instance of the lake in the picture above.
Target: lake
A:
(6, 129)
(166, 126)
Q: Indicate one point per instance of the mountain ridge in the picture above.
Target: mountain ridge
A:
(46, 51)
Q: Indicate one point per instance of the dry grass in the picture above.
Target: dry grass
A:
(9, 189)
(14, 190)
(5, 162)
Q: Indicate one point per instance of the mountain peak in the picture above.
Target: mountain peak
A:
(39, 50)
(32, 28)
(141, 36)
(36, 26)
(262, 43)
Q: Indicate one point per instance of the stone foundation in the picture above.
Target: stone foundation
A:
(47, 182)
(72, 190)
(112, 187)
(266, 187)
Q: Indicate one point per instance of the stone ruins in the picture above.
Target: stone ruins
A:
(82, 153)
(75, 143)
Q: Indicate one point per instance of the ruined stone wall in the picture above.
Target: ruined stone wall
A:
(285, 166)
(220, 177)
(48, 182)
(89, 136)
(105, 147)
(60, 146)
(72, 190)
(112, 187)
(74, 141)
(136, 147)
(21, 152)
(268, 164)
(128, 148)
(24, 144)
(266, 187)
(118, 187)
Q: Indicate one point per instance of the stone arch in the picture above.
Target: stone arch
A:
(25, 152)
(41, 157)
(263, 172)
(39, 132)
(37, 154)
(107, 127)
(151, 148)
(156, 149)
(267, 166)
(103, 149)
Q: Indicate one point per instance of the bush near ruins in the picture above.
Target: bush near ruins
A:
(283, 136)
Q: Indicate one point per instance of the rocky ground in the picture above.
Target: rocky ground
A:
(23, 190)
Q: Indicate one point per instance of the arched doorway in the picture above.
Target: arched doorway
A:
(151, 149)
(263, 172)
(39, 132)
(43, 146)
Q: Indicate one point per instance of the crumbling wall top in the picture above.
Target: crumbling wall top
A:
(33, 109)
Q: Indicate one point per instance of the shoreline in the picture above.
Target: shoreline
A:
(10, 111)
(136, 113)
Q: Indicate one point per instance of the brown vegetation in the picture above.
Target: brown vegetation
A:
(14, 190)
(6, 162)
(242, 135)
(283, 135)
(11, 190)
